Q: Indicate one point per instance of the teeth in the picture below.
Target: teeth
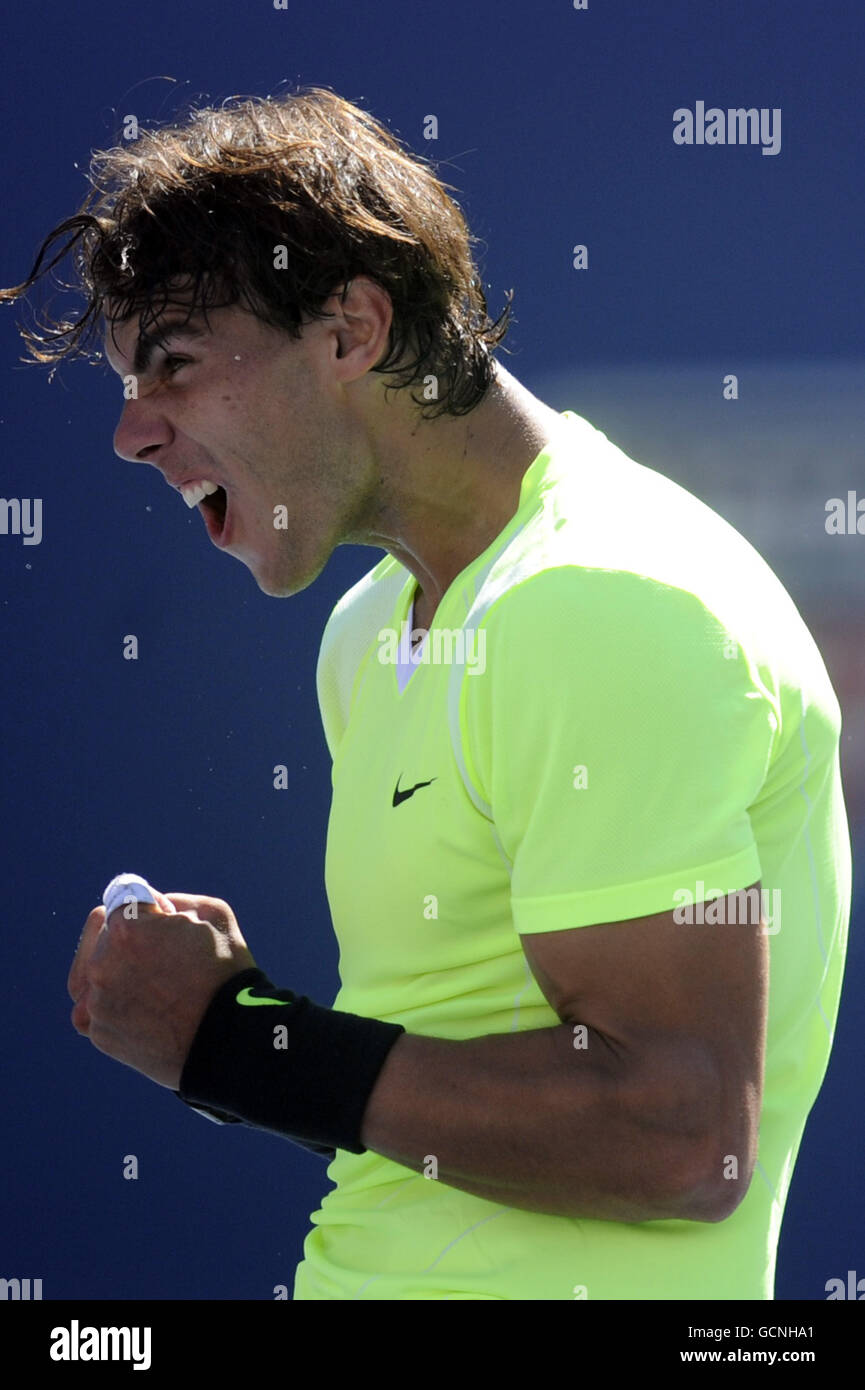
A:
(193, 493)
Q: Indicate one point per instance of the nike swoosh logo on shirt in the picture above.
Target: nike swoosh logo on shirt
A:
(246, 996)
(399, 796)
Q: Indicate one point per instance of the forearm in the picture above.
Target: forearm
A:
(528, 1120)
(523, 1119)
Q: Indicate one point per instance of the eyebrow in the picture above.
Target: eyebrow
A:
(176, 327)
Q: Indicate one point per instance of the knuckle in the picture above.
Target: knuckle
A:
(80, 1019)
(99, 973)
(215, 904)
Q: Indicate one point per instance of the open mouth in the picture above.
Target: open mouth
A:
(215, 509)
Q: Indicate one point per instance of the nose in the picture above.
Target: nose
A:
(141, 432)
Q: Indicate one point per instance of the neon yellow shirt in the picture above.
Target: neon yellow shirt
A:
(618, 699)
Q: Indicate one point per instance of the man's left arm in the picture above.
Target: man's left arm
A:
(630, 1110)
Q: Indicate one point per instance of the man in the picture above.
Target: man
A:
(588, 859)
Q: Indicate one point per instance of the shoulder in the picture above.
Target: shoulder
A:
(573, 615)
(366, 598)
(348, 633)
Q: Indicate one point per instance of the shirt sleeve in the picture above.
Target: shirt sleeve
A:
(618, 734)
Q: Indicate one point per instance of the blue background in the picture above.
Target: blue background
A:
(555, 126)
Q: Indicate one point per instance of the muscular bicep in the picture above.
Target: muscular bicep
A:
(687, 991)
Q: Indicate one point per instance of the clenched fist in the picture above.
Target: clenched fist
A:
(142, 987)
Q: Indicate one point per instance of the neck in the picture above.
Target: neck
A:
(451, 485)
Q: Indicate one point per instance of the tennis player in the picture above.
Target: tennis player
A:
(588, 860)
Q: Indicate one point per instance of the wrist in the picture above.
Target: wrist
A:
(280, 1062)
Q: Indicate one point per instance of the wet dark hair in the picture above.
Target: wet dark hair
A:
(209, 202)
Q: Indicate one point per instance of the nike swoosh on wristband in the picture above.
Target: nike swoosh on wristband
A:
(246, 996)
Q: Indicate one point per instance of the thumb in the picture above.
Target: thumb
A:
(164, 902)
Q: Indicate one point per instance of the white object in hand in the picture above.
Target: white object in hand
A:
(126, 888)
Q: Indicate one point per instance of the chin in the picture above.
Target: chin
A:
(277, 585)
(274, 588)
(283, 571)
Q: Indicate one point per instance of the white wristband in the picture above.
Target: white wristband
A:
(127, 888)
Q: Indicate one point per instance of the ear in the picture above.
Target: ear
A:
(362, 317)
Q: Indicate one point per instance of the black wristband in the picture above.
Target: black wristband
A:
(288, 1066)
(222, 1117)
